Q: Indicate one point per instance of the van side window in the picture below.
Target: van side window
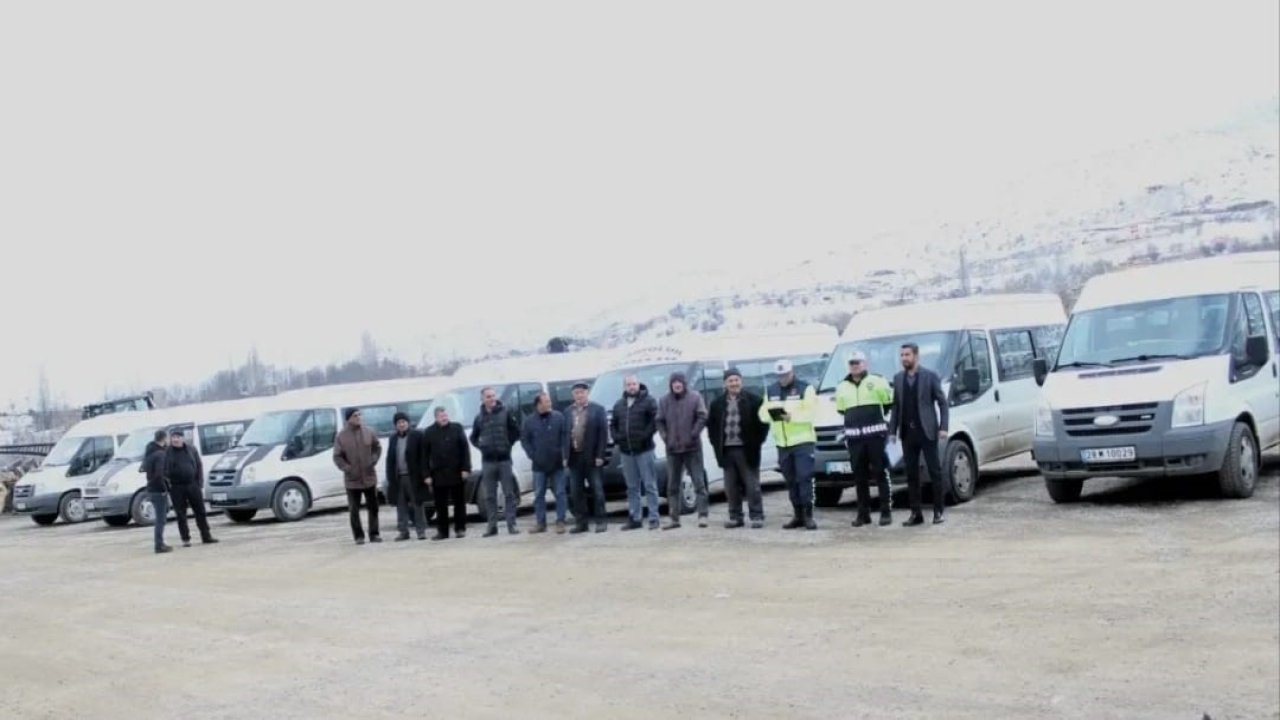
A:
(982, 359)
(104, 448)
(1246, 326)
(215, 439)
(325, 429)
(1016, 354)
(416, 410)
(528, 402)
(712, 385)
(1273, 306)
(379, 418)
(1255, 315)
(1048, 338)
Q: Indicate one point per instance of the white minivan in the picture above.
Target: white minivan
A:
(53, 490)
(117, 491)
(284, 460)
(983, 348)
(1168, 370)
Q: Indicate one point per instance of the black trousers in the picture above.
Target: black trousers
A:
(867, 458)
(409, 507)
(189, 495)
(739, 479)
(453, 497)
(914, 446)
(370, 496)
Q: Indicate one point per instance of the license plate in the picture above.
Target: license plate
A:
(219, 497)
(839, 468)
(1106, 455)
(90, 506)
(20, 506)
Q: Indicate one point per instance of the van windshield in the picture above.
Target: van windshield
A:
(272, 428)
(608, 388)
(1183, 327)
(135, 446)
(64, 451)
(882, 356)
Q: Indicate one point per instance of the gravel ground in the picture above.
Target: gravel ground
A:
(1146, 600)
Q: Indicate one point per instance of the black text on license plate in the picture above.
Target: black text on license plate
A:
(1109, 455)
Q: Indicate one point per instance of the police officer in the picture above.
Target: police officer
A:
(864, 398)
(789, 407)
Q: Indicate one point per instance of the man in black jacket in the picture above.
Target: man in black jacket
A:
(495, 430)
(545, 439)
(737, 434)
(446, 460)
(633, 424)
(185, 472)
(588, 443)
(917, 391)
(405, 478)
(158, 486)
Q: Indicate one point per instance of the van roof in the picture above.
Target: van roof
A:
(212, 412)
(975, 311)
(115, 423)
(766, 343)
(1203, 276)
(357, 394)
(541, 368)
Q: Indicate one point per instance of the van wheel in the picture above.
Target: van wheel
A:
(1239, 472)
(117, 520)
(1064, 491)
(827, 497)
(241, 516)
(959, 464)
(291, 501)
(44, 519)
(142, 509)
(71, 508)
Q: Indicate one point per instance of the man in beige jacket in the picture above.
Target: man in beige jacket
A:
(356, 452)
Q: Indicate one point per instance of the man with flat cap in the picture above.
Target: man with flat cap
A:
(588, 443)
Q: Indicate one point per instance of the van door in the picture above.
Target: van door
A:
(980, 411)
(1016, 389)
(314, 462)
(1259, 384)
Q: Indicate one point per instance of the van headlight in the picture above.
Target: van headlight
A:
(1188, 406)
(1044, 421)
(249, 475)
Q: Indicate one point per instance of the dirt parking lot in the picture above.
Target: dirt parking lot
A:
(1146, 600)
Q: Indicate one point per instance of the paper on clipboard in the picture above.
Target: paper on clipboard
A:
(894, 451)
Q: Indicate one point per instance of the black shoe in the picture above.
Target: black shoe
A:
(602, 527)
(886, 519)
(654, 525)
(674, 525)
(210, 541)
(460, 533)
(733, 524)
(862, 520)
(796, 523)
(809, 523)
(359, 541)
(513, 530)
(402, 536)
(578, 529)
(422, 535)
(375, 538)
(915, 519)
(163, 549)
(186, 543)
(938, 518)
(490, 532)
(757, 524)
(632, 525)
(702, 521)
(439, 536)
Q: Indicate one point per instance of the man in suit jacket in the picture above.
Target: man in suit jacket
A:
(919, 417)
(405, 478)
(736, 434)
(588, 445)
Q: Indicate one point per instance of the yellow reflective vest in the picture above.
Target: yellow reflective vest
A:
(800, 401)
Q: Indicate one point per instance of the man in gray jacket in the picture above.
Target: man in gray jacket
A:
(682, 414)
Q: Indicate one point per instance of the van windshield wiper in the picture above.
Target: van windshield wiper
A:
(1081, 364)
(1153, 356)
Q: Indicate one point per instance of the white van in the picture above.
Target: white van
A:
(1165, 371)
(983, 348)
(53, 489)
(117, 491)
(703, 358)
(517, 380)
(284, 460)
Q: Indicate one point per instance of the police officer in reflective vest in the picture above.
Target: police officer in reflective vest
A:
(790, 406)
(864, 398)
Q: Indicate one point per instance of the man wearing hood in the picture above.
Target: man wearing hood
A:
(405, 478)
(158, 486)
(356, 451)
(864, 399)
(632, 426)
(682, 415)
(495, 430)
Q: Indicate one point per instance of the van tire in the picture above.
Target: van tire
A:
(137, 509)
(117, 520)
(959, 454)
(1238, 475)
(827, 497)
(291, 501)
(71, 508)
(241, 516)
(45, 519)
(1064, 491)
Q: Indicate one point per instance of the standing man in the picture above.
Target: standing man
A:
(864, 398)
(737, 434)
(495, 430)
(588, 445)
(186, 478)
(158, 486)
(356, 452)
(790, 405)
(633, 425)
(405, 478)
(682, 415)
(920, 416)
(545, 439)
(446, 461)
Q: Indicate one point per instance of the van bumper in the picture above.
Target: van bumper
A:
(46, 504)
(1171, 453)
(246, 496)
(108, 505)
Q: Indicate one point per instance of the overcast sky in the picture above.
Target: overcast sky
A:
(179, 181)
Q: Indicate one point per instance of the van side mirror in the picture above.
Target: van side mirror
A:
(1040, 367)
(971, 381)
(1256, 351)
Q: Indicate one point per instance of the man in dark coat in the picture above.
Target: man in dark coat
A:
(405, 478)
(185, 472)
(158, 486)
(633, 424)
(588, 444)
(494, 432)
(682, 415)
(356, 451)
(545, 439)
(917, 391)
(737, 434)
(446, 460)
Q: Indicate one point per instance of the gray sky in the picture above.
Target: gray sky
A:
(180, 181)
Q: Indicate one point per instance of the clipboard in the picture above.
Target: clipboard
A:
(777, 413)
